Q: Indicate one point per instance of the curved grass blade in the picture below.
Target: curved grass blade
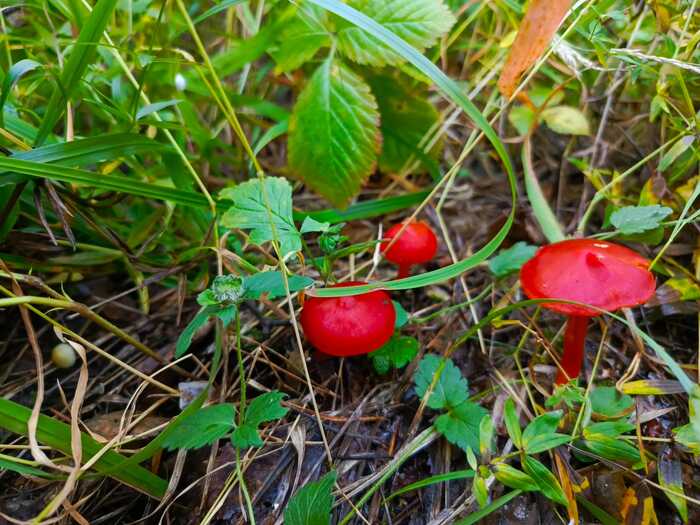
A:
(57, 435)
(86, 151)
(103, 182)
(218, 8)
(13, 75)
(432, 480)
(81, 57)
(474, 517)
(364, 210)
(453, 92)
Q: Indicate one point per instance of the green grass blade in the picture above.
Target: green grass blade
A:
(540, 207)
(57, 435)
(432, 480)
(86, 151)
(480, 514)
(454, 93)
(82, 55)
(103, 182)
(364, 210)
(218, 8)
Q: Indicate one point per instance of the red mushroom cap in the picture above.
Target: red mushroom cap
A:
(347, 326)
(602, 274)
(416, 245)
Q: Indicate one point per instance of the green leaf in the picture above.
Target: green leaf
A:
(685, 435)
(197, 322)
(608, 403)
(544, 424)
(16, 72)
(480, 491)
(301, 38)
(513, 478)
(639, 219)
(203, 427)
(461, 425)
(609, 428)
(406, 118)
(545, 442)
(334, 133)
(419, 22)
(226, 289)
(510, 416)
(311, 225)
(522, 118)
(676, 151)
(511, 259)
(312, 504)
(272, 284)
(249, 212)
(81, 56)
(614, 449)
(396, 353)
(218, 8)
(432, 480)
(476, 517)
(155, 107)
(22, 468)
(263, 408)
(545, 480)
(566, 120)
(401, 315)
(451, 389)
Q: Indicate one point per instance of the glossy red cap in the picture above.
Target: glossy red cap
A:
(347, 326)
(416, 245)
(599, 273)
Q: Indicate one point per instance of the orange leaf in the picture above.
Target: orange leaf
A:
(536, 31)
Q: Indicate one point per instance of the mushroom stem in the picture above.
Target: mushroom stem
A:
(404, 271)
(574, 341)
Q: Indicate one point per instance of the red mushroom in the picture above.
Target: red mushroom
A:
(601, 274)
(417, 244)
(347, 326)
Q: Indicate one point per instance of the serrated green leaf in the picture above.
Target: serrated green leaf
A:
(513, 478)
(312, 504)
(545, 480)
(419, 22)
(566, 120)
(451, 389)
(272, 284)
(511, 259)
(263, 408)
(406, 118)
(461, 425)
(639, 219)
(249, 212)
(396, 353)
(301, 38)
(203, 427)
(334, 133)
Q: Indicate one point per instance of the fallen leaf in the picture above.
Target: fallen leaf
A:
(536, 31)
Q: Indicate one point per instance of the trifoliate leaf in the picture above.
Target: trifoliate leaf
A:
(272, 284)
(406, 119)
(451, 389)
(312, 504)
(419, 22)
(249, 212)
(396, 353)
(334, 133)
(203, 427)
(511, 260)
(639, 219)
(566, 120)
(461, 425)
(263, 408)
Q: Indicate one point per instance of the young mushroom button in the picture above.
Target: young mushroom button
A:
(601, 274)
(417, 244)
(347, 326)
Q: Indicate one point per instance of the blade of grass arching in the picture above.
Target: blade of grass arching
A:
(81, 56)
(86, 151)
(57, 435)
(455, 94)
(103, 182)
(603, 517)
(218, 8)
(496, 504)
(540, 207)
(23, 467)
(364, 210)
(432, 480)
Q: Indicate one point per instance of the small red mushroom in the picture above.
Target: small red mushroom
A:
(347, 326)
(601, 274)
(417, 244)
